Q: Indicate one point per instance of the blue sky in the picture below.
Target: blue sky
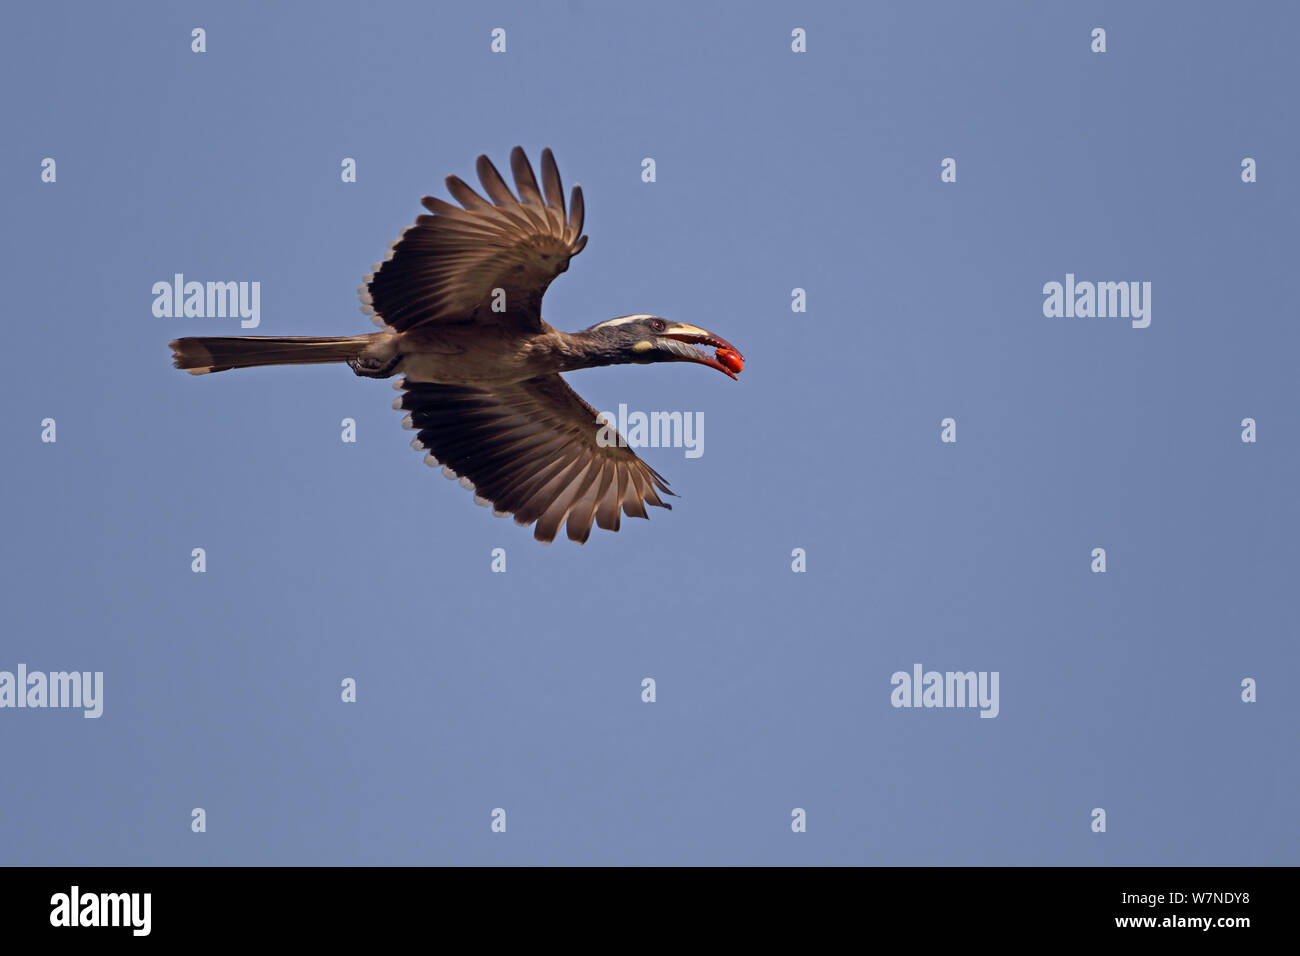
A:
(522, 690)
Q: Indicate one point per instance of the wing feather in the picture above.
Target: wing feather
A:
(493, 184)
(448, 266)
(531, 450)
(551, 185)
(464, 194)
(577, 211)
(525, 181)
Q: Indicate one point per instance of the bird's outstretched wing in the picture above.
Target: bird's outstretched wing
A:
(532, 450)
(449, 266)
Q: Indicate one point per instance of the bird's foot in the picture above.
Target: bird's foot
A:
(369, 367)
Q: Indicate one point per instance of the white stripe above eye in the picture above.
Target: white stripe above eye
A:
(623, 320)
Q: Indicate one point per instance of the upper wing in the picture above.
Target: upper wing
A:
(447, 266)
(531, 450)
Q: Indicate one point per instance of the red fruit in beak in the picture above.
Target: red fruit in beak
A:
(731, 360)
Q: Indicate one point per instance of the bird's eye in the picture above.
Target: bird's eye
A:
(658, 325)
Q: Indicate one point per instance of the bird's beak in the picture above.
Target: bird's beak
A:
(727, 359)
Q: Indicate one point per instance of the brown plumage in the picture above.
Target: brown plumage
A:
(458, 302)
(446, 266)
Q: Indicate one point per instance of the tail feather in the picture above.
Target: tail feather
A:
(199, 355)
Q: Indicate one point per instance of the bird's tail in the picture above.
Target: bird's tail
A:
(204, 354)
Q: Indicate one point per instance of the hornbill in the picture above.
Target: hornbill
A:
(458, 301)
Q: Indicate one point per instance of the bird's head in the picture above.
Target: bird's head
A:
(648, 338)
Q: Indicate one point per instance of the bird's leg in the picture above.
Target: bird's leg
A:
(371, 367)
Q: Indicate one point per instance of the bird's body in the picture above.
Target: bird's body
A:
(474, 355)
(458, 302)
(460, 355)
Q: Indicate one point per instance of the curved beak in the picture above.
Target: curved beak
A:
(727, 358)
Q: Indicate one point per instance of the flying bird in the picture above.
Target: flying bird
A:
(458, 301)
